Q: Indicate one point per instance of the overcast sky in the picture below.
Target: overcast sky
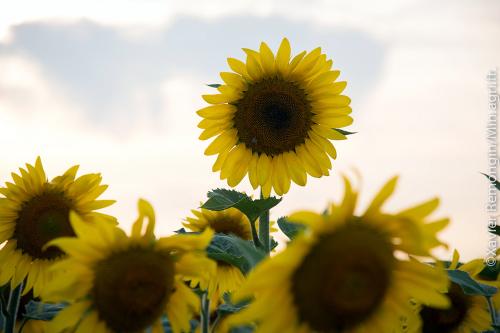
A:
(114, 86)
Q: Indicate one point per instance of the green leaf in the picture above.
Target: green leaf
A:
(341, 131)
(235, 251)
(274, 243)
(242, 329)
(168, 328)
(493, 181)
(221, 199)
(496, 231)
(42, 311)
(490, 273)
(290, 229)
(469, 285)
(214, 85)
(228, 308)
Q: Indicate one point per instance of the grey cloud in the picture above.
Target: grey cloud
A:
(101, 68)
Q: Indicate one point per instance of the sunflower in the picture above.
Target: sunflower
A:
(33, 211)
(230, 222)
(344, 273)
(116, 283)
(274, 117)
(466, 314)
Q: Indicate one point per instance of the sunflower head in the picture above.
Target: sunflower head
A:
(228, 221)
(344, 273)
(274, 117)
(467, 313)
(231, 221)
(120, 283)
(34, 211)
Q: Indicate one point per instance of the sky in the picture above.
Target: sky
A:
(113, 86)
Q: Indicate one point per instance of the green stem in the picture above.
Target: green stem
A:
(12, 308)
(205, 313)
(264, 229)
(214, 324)
(493, 312)
(255, 237)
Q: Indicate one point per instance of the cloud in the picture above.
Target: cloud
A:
(115, 78)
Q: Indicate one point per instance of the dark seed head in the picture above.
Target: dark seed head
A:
(344, 278)
(131, 289)
(273, 116)
(40, 220)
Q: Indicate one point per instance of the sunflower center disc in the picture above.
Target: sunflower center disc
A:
(446, 320)
(132, 287)
(344, 278)
(273, 116)
(40, 220)
(227, 225)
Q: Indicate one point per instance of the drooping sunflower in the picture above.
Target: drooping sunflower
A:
(230, 222)
(467, 313)
(116, 283)
(33, 211)
(344, 273)
(274, 118)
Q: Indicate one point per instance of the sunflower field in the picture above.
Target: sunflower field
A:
(66, 267)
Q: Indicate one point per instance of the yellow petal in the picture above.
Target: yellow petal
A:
(281, 180)
(310, 164)
(233, 158)
(283, 56)
(267, 59)
(68, 317)
(324, 144)
(215, 130)
(328, 91)
(237, 66)
(309, 218)
(307, 63)
(220, 160)
(319, 155)
(334, 101)
(241, 168)
(263, 168)
(254, 68)
(295, 168)
(234, 80)
(88, 323)
(219, 98)
(253, 171)
(382, 196)
(332, 121)
(220, 111)
(422, 210)
(186, 242)
(223, 142)
(322, 79)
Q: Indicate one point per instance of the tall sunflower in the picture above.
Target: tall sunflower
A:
(274, 118)
(116, 283)
(344, 273)
(466, 314)
(228, 278)
(33, 211)
(229, 222)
